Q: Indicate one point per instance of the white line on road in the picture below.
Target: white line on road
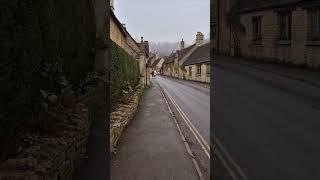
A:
(194, 131)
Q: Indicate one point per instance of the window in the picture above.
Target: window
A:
(285, 23)
(190, 70)
(314, 24)
(198, 69)
(256, 28)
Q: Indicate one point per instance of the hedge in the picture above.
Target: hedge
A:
(47, 47)
(125, 73)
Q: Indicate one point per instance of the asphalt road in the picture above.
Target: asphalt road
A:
(269, 125)
(193, 99)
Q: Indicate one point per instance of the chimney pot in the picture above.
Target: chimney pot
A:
(199, 38)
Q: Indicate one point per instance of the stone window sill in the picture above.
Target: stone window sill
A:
(284, 42)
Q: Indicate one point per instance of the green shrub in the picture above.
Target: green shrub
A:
(125, 73)
(47, 47)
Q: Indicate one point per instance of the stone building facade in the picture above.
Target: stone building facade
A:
(168, 65)
(120, 35)
(197, 65)
(139, 51)
(144, 62)
(281, 30)
(190, 63)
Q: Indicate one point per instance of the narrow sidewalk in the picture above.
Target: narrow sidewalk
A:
(151, 147)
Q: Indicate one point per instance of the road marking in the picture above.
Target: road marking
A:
(195, 163)
(234, 169)
(204, 145)
(232, 162)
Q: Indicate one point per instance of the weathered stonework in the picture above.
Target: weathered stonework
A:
(203, 77)
(51, 156)
(298, 50)
(121, 117)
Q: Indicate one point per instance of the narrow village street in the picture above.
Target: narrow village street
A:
(266, 120)
(153, 136)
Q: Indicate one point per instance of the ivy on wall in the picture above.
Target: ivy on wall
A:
(47, 50)
(125, 73)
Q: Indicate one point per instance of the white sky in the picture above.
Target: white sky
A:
(164, 20)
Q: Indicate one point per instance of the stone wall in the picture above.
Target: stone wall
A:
(203, 77)
(115, 33)
(51, 156)
(298, 51)
(168, 69)
(121, 117)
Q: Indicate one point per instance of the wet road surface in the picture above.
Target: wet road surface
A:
(270, 125)
(194, 100)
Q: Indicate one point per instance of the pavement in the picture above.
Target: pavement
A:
(151, 146)
(267, 121)
(190, 102)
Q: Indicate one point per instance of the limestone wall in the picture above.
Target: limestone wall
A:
(297, 51)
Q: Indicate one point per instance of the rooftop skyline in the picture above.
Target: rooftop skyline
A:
(165, 20)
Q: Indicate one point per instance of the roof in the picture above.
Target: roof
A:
(170, 58)
(199, 55)
(254, 5)
(156, 62)
(183, 52)
(152, 58)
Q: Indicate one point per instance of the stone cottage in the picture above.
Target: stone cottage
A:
(168, 65)
(197, 65)
(191, 63)
(281, 30)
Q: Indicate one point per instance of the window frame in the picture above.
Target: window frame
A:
(198, 69)
(257, 28)
(285, 25)
(314, 24)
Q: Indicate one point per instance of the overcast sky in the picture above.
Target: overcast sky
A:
(164, 20)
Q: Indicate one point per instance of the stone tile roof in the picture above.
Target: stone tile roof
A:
(252, 5)
(199, 55)
(155, 63)
(170, 58)
(183, 52)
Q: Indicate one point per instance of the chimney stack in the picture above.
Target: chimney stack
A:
(199, 38)
(142, 39)
(182, 44)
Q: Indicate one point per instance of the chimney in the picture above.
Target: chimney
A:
(157, 55)
(182, 44)
(142, 39)
(124, 25)
(199, 38)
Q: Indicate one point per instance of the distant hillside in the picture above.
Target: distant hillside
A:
(164, 48)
